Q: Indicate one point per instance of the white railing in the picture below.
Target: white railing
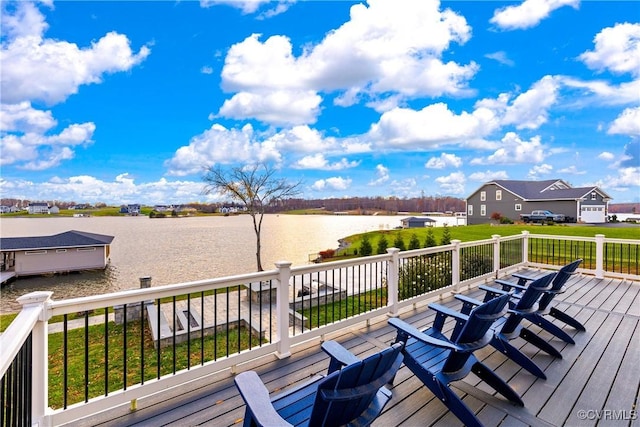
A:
(465, 264)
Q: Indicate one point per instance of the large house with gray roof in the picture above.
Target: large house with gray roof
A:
(69, 251)
(511, 198)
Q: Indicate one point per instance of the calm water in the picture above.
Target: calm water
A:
(181, 250)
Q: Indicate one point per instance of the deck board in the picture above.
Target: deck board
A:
(601, 371)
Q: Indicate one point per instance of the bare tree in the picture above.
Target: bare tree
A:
(255, 187)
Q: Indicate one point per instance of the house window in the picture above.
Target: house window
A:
(483, 196)
(35, 252)
(593, 196)
(483, 210)
(518, 207)
(498, 194)
(470, 210)
(86, 249)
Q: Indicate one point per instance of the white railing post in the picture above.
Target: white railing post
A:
(525, 247)
(455, 265)
(599, 256)
(39, 354)
(393, 272)
(282, 310)
(496, 254)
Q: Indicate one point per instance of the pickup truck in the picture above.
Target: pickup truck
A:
(542, 216)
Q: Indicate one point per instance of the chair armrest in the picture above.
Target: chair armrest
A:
(468, 303)
(446, 311)
(467, 299)
(405, 331)
(522, 279)
(510, 285)
(340, 356)
(256, 396)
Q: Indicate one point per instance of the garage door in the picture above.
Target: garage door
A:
(592, 214)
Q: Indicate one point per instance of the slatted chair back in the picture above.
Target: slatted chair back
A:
(558, 283)
(345, 395)
(528, 302)
(476, 329)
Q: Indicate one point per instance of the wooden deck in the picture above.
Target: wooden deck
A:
(596, 383)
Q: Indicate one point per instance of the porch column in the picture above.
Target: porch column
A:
(393, 271)
(39, 353)
(496, 254)
(283, 343)
(599, 256)
(455, 265)
(525, 247)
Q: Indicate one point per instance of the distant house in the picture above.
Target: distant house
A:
(5, 209)
(511, 198)
(132, 209)
(64, 252)
(417, 222)
(38, 208)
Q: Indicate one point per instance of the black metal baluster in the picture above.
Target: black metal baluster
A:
(158, 343)
(142, 308)
(124, 350)
(188, 331)
(65, 363)
(173, 338)
(106, 351)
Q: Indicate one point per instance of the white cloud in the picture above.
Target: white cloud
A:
(318, 161)
(430, 127)
(334, 183)
(35, 68)
(627, 123)
(597, 91)
(37, 151)
(531, 109)
(627, 179)
(528, 14)
(382, 175)
(219, 144)
(617, 49)
(452, 183)
(445, 160)
(514, 151)
(38, 69)
(279, 107)
(24, 118)
(386, 51)
(539, 171)
(488, 176)
(251, 6)
(206, 69)
(501, 57)
(121, 190)
(572, 170)
(605, 155)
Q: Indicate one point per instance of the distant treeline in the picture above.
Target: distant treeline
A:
(364, 205)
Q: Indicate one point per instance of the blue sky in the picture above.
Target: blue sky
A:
(127, 102)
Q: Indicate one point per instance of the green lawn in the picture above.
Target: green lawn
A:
(485, 231)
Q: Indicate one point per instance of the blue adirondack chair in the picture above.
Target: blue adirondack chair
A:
(438, 360)
(544, 307)
(510, 326)
(352, 393)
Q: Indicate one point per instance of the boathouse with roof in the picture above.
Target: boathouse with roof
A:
(510, 198)
(60, 253)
